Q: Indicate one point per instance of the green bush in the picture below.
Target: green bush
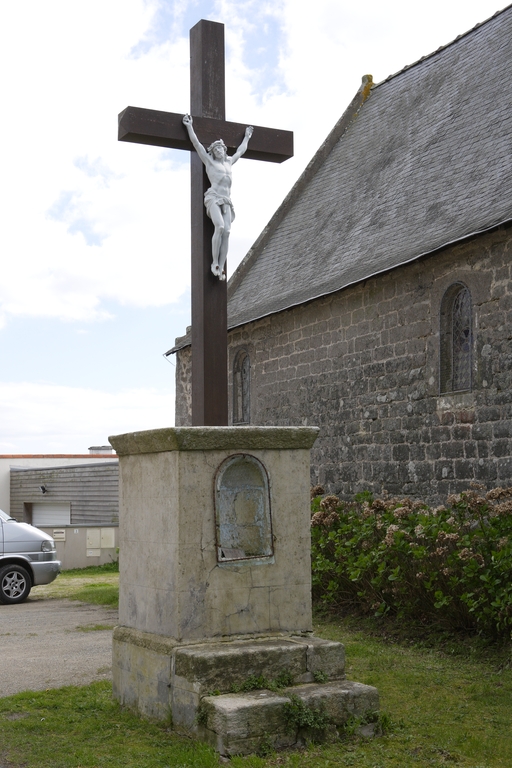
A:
(449, 566)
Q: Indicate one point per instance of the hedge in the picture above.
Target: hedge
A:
(448, 566)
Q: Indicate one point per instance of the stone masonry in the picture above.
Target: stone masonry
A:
(363, 365)
(215, 628)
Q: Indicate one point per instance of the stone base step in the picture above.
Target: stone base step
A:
(222, 666)
(160, 678)
(242, 723)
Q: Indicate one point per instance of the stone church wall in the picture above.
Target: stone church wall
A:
(364, 365)
(183, 405)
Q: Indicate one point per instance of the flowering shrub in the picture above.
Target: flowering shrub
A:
(450, 566)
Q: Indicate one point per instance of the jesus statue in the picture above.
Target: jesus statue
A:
(217, 198)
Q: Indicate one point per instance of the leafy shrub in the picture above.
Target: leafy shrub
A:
(449, 566)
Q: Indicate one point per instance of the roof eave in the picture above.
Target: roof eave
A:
(185, 341)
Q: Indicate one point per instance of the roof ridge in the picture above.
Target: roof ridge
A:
(443, 47)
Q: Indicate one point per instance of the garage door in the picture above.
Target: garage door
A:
(44, 514)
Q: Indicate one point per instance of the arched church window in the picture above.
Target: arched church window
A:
(241, 388)
(456, 339)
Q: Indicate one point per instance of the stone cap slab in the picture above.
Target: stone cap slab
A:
(214, 439)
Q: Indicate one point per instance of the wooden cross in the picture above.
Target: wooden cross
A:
(165, 129)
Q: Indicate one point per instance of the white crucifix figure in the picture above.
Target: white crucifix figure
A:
(217, 198)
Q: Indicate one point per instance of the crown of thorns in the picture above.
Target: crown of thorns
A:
(218, 143)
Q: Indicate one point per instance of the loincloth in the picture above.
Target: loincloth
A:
(213, 198)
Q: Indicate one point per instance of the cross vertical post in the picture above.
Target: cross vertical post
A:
(209, 294)
(166, 129)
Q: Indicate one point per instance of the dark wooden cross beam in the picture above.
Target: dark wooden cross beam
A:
(165, 129)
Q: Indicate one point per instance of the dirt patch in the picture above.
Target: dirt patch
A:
(45, 646)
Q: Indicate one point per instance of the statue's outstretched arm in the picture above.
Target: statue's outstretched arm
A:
(201, 151)
(243, 146)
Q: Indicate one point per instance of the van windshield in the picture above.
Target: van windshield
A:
(5, 516)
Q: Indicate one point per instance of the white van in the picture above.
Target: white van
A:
(27, 558)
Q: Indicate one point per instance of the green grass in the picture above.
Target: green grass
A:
(449, 700)
(449, 706)
(98, 585)
(94, 627)
(83, 728)
(101, 593)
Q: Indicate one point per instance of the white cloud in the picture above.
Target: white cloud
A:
(87, 218)
(44, 418)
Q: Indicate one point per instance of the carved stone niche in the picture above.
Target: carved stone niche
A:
(242, 511)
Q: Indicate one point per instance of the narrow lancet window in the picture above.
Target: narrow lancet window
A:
(241, 388)
(456, 339)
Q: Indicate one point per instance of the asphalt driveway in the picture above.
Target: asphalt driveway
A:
(50, 643)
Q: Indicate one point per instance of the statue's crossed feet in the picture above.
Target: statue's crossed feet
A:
(218, 272)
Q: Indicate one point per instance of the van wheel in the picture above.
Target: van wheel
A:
(15, 584)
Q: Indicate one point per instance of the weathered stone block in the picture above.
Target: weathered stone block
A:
(256, 713)
(453, 449)
(181, 589)
(325, 656)
(464, 469)
(241, 723)
(487, 471)
(470, 449)
(481, 431)
(141, 674)
(503, 428)
(501, 448)
(339, 700)
(159, 678)
(401, 452)
(221, 666)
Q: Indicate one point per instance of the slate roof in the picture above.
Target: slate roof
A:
(425, 161)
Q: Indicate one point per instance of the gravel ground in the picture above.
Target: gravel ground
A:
(45, 644)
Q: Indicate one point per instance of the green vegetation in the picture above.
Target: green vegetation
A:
(101, 593)
(300, 715)
(98, 585)
(83, 728)
(257, 682)
(94, 627)
(441, 706)
(422, 600)
(447, 567)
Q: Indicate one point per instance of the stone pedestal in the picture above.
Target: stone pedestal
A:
(215, 581)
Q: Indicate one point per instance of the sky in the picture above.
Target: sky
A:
(94, 235)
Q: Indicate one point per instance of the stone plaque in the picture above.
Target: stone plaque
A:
(242, 510)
